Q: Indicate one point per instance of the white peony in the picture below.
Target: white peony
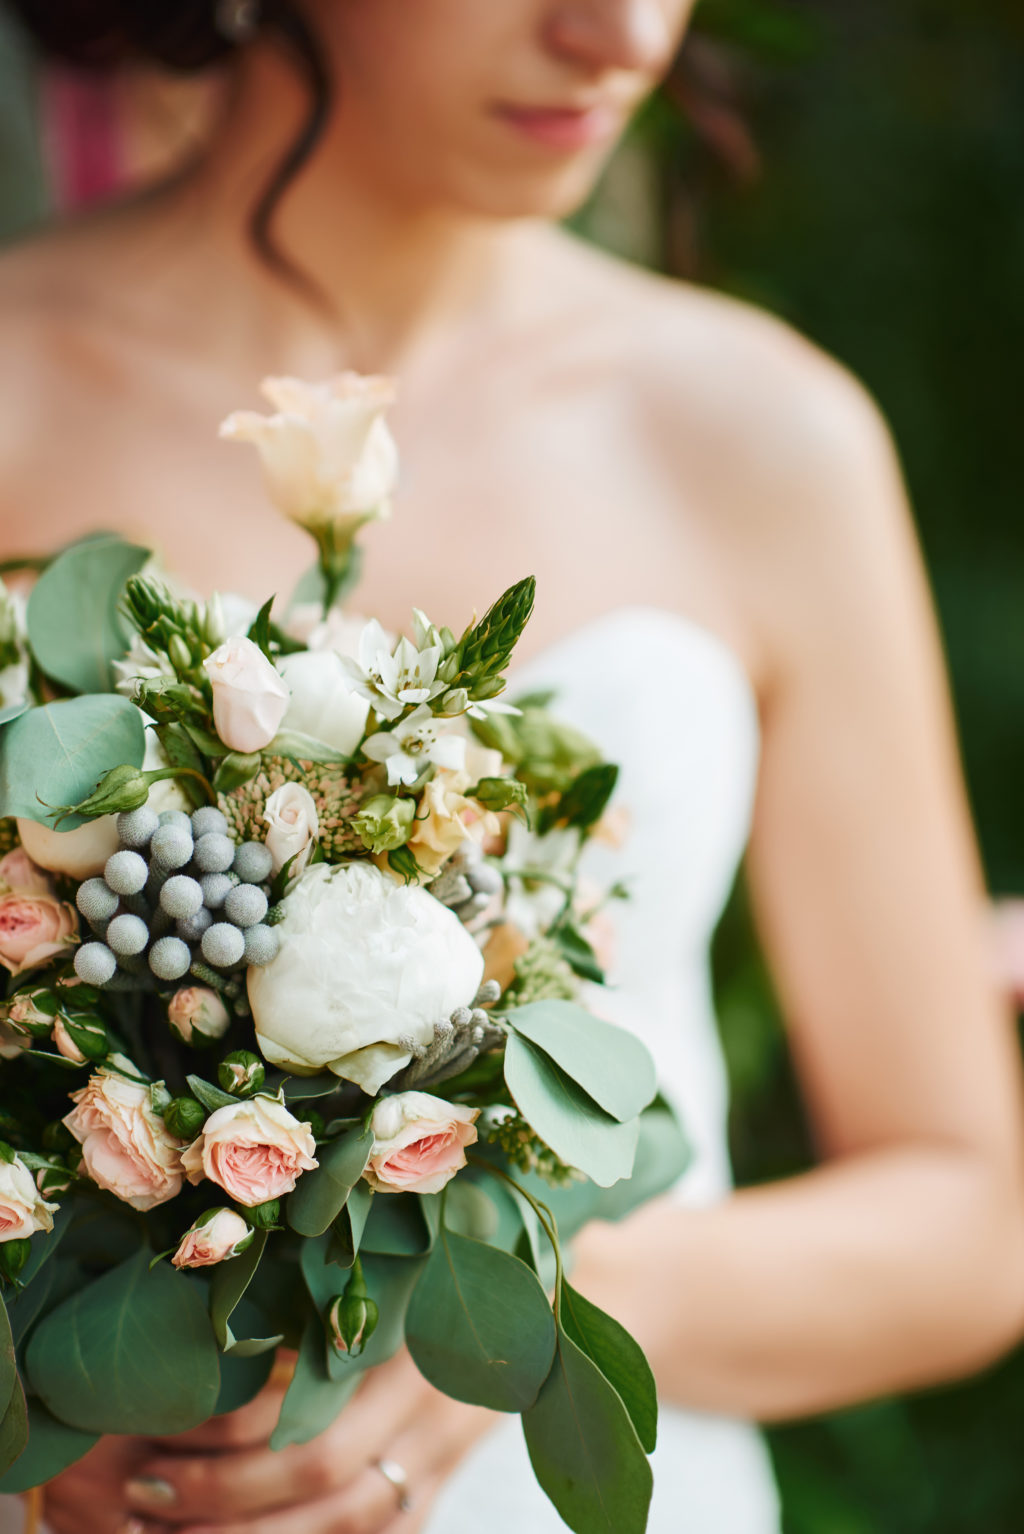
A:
(366, 968)
(323, 703)
(328, 457)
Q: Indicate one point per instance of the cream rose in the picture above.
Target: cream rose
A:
(249, 698)
(292, 825)
(419, 1142)
(34, 929)
(322, 702)
(365, 970)
(196, 1009)
(328, 457)
(126, 1148)
(254, 1150)
(23, 1210)
(81, 854)
(217, 1236)
(445, 819)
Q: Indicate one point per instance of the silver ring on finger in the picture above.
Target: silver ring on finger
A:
(392, 1471)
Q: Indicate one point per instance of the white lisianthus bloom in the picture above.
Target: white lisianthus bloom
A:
(323, 703)
(328, 457)
(366, 969)
(416, 743)
(391, 676)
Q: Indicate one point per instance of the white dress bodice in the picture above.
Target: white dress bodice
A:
(669, 702)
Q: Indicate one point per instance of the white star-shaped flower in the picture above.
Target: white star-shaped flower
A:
(390, 679)
(413, 745)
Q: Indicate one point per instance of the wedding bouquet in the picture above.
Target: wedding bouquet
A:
(294, 1045)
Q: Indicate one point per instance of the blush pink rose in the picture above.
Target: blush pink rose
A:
(126, 1148)
(19, 875)
(249, 696)
(419, 1142)
(216, 1237)
(34, 929)
(254, 1150)
(23, 1210)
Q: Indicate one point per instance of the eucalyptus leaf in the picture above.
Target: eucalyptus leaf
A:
(662, 1156)
(13, 710)
(230, 1281)
(565, 1118)
(52, 1446)
(612, 1065)
(235, 770)
(8, 1361)
(304, 748)
(298, 1088)
(132, 1352)
(360, 1202)
(210, 1096)
(243, 1376)
(390, 1282)
(320, 1195)
(75, 628)
(312, 1400)
(618, 1356)
(396, 1226)
(56, 754)
(479, 1325)
(13, 1428)
(584, 1449)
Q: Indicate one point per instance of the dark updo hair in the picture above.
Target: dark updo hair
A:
(187, 36)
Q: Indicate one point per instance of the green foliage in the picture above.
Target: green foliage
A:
(320, 1195)
(133, 1351)
(75, 627)
(230, 1281)
(580, 1132)
(52, 1446)
(611, 1066)
(479, 1325)
(620, 1359)
(56, 754)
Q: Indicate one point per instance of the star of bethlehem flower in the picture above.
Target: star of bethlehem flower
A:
(417, 742)
(390, 679)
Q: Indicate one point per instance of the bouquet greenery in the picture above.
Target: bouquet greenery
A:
(295, 1049)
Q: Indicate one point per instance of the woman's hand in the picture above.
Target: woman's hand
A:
(223, 1478)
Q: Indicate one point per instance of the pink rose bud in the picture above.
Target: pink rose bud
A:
(352, 1318)
(126, 1147)
(217, 1236)
(249, 697)
(197, 1010)
(255, 1150)
(419, 1142)
(34, 929)
(66, 1044)
(20, 876)
(32, 1012)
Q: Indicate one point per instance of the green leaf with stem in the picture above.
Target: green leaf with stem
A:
(74, 622)
(611, 1065)
(320, 1195)
(56, 754)
(52, 1446)
(230, 1281)
(561, 1113)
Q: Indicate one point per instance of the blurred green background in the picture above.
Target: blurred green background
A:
(856, 166)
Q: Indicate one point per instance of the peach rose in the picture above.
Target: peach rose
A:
(34, 929)
(419, 1142)
(126, 1147)
(217, 1236)
(19, 875)
(250, 699)
(81, 854)
(196, 1009)
(23, 1210)
(254, 1150)
(446, 818)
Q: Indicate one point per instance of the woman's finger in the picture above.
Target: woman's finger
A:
(366, 1506)
(251, 1424)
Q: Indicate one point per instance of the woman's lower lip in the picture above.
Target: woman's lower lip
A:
(560, 129)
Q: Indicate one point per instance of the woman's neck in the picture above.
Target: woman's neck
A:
(395, 274)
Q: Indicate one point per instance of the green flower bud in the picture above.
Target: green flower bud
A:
(352, 1318)
(454, 703)
(32, 1012)
(179, 654)
(499, 793)
(265, 1216)
(13, 1257)
(241, 1073)
(87, 1033)
(384, 822)
(184, 1117)
(122, 788)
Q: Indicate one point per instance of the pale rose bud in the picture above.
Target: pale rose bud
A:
(328, 457)
(32, 1011)
(81, 854)
(241, 1073)
(352, 1319)
(20, 876)
(34, 929)
(419, 1142)
(292, 826)
(249, 698)
(254, 1150)
(217, 1236)
(198, 1010)
(66, 1044)
(126, 1147)
(23, 1210)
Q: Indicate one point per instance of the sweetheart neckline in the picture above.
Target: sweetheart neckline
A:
(713, 642)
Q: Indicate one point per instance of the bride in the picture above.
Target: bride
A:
(730, 601)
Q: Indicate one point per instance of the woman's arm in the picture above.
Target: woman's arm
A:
(901, 1260)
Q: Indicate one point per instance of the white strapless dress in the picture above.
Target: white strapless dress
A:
(669, 702)
(672, 705)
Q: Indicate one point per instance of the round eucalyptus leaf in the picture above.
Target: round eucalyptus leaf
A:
(75, 627)
(565, 1118)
